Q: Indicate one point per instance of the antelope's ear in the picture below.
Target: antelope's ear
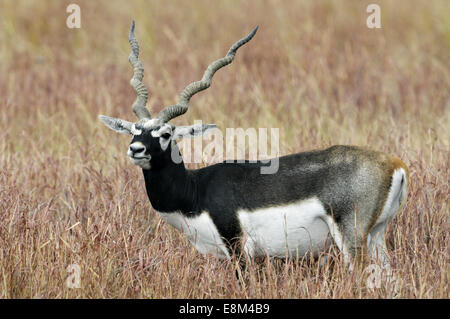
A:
(117, 125)
(191, 130)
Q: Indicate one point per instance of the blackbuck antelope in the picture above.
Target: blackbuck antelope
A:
(345, 194)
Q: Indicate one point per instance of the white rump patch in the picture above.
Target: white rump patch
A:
(395, 196)
(375, 240)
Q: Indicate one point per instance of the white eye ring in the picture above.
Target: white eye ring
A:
(135, 131)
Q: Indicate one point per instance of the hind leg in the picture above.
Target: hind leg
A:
(379, 256)
(376, 246)
(349, 239)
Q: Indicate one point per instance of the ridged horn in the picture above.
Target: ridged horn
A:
(182, 106)
(139, 106)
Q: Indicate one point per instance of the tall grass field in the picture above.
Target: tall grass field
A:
(71, 201)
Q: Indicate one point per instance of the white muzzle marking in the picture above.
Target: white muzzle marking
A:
(136, 153)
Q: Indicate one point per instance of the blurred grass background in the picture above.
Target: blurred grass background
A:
(68, 193)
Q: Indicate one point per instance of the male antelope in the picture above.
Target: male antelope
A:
(348, 192)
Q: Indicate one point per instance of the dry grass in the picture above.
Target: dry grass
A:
(68, 193)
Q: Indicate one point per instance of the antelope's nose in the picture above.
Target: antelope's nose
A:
(137, 148)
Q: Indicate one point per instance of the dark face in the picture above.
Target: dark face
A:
(150, 144)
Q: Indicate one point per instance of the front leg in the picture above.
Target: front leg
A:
(229, 228)
(238, 258)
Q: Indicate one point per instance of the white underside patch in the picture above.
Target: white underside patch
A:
(290, 230)
(293, 230)
(200, 231)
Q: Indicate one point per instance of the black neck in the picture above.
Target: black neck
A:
(171, 188)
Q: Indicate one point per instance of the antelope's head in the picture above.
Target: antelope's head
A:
(153, 138)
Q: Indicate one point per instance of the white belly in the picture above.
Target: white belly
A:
(293, 230)
(200, 231)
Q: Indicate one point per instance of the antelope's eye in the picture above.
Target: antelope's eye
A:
(165, 136)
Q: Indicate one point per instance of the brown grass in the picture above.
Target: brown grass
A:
(68, 193)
